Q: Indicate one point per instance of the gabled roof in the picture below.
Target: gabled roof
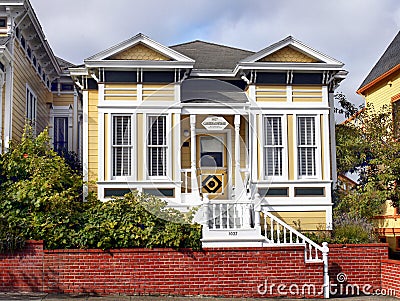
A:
(210, 56)
(64, 64)
(140, 39)
(294, 44)
(387, 63)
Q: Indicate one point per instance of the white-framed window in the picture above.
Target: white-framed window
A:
(31, 107)
(121, 145)
(157, 146)
(306, 146)
(273, 146)
(60, 135)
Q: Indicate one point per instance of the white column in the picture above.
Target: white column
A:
(239, 187)
(85, 135)
(85, 141)
(254, 147)
(195, 186)
(101, 134)
(75, 142)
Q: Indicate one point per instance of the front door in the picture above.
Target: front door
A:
(212, 165)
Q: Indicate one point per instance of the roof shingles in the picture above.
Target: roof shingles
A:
(209, 56)
(389, 60)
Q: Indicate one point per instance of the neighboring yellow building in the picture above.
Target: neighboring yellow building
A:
(382, 87)
(200, 121)
(35, 85)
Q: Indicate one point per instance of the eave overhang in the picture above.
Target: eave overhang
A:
(138, 64)
(378, 79)
(288, 66)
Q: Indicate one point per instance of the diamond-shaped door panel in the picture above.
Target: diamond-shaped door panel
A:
(213, 184)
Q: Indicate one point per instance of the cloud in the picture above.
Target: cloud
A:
(355, 32)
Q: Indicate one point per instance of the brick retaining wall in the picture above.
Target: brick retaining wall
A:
(356, 264)
(239, 272)
(391, 277)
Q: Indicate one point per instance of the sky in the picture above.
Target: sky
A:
(356, 32)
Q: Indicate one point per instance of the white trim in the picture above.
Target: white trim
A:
(253, 147)
(75, 143)
(100, 164)
(139, 93)
(134, 160)
(296, 44)
(139, 64)
(227, 135)
(109, 175)
(285, 156)
(325, 99)
(289, 93)
(85, 135)
(168, 151)
(317, 136)
(63, 112)
(132, 146)
(176, 147)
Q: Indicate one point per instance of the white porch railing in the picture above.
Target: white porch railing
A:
(239, 223)
(186, 186)
(230, 215)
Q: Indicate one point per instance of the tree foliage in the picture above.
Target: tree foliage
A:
(41, 199)
(368, 147)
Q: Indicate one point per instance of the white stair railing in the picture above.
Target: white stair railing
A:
(278, 232)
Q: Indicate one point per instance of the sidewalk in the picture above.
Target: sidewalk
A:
(46, 297)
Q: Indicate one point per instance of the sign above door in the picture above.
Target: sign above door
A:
(215, 123)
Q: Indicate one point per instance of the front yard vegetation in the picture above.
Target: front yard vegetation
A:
(41, 199)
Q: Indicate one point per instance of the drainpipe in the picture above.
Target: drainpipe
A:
(325, 252)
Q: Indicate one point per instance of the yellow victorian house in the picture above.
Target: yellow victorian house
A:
(246, 135)
(382, 87)
(201, 123)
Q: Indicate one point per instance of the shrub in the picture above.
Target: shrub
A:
(353, 230)
(136, 220)
(41, 197)
(10, 239)
(347, 229)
